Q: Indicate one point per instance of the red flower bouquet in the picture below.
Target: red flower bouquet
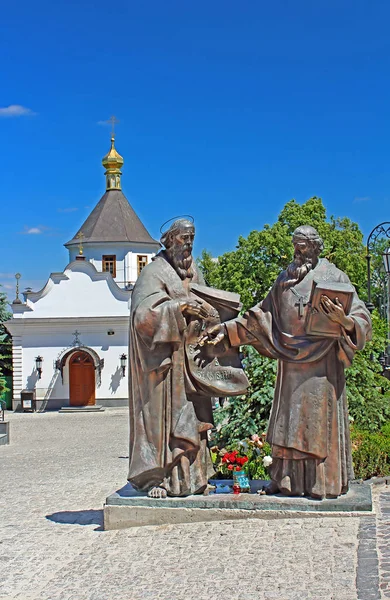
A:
(234, 461)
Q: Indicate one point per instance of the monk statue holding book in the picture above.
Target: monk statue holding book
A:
(172, 379)
(312, 322)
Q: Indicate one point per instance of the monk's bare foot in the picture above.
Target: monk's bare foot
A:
(157, 492)
(286, 486)
(209, 489)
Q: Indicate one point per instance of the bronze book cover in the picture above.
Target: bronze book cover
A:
(215, 370)
(316, 322)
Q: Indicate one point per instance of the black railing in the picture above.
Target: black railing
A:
(127, 285)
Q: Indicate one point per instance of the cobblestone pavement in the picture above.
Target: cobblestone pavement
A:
(54, 478)
(383, 538)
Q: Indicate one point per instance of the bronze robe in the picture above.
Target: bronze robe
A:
(308, 428)
(168, 423)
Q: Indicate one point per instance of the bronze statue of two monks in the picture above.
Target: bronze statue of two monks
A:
(184, 350)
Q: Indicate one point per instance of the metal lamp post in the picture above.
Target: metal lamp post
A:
(386, 260)
(386, 263)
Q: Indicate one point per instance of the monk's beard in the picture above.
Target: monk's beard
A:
(297, 270)
(181, 259)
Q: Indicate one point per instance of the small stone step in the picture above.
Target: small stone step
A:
(77, 409)
(3, 439)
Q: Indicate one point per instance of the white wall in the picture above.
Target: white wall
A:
(79, 299)
(77, 292)
(52, 344)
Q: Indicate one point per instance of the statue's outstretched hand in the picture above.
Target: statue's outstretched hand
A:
(213, 335)
(194, 307)
(335, 312)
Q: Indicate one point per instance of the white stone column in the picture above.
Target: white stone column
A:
(128, 259)
(17, 365)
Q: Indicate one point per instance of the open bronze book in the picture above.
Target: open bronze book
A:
(316, 322)
(214, 370)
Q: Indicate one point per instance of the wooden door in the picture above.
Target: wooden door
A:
(81, 380)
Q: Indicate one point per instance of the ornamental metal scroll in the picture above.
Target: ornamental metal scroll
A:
(379, 232)
(98, 362)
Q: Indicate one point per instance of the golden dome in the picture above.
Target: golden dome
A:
(113, 158)
(113, 162)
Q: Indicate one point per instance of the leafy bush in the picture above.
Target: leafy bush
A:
(368, 392)
(243, 416)
(3, 386)
(371, 452)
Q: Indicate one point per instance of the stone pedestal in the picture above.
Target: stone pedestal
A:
(4, 432)
(129, 508)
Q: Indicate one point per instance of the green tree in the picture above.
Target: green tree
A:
(251, 269)
(5, 343)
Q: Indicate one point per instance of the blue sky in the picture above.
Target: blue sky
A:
(227, 110)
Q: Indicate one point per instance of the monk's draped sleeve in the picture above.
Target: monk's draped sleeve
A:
(157, 324)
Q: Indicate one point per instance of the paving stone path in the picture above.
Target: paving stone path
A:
(54, 478)
(383, 541)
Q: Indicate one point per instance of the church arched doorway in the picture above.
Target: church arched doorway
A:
(81, 379)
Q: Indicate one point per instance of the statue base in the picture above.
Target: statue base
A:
(129, 508)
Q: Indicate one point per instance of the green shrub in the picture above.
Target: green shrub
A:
(371, 452)
(368, 392)
(242, 416)
(3, 385)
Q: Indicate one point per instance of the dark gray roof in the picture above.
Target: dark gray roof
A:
(113, 220)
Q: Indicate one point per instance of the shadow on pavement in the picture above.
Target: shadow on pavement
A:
(78, 517)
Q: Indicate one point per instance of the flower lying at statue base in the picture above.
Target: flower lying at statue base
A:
(234, 460)
(247, 455)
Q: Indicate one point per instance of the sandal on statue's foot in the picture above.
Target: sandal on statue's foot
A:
(271, 488)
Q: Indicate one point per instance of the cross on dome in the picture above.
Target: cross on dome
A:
(113, 162)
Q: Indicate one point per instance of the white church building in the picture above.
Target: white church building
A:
(70, 339)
